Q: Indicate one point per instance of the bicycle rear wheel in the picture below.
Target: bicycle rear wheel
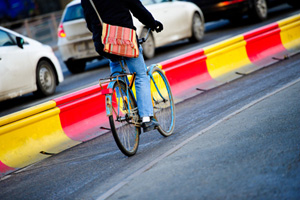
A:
(123, 119)
(163, 103)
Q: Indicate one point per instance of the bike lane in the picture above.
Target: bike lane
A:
(253, 153)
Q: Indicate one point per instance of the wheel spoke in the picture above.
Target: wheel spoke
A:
(123, 127)
(164, 109)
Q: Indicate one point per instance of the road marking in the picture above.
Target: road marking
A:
(177, 147)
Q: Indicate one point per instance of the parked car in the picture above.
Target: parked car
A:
(180, 19)
(26, 66)
(235, 9)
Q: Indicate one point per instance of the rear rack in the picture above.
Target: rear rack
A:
(112, 79)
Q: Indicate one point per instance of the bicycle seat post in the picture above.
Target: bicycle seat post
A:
(123, 65)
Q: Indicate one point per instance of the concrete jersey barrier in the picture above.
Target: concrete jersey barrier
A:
(36, 133)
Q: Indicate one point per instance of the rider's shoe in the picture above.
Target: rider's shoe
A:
(151, 125)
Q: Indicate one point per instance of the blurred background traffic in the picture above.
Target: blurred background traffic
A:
(39, 19)
(60, 24)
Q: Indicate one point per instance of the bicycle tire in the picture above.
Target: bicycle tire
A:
(163, 102)
(124, 131)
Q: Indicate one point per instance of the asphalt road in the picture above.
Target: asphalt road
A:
(240, 140)
(253, 153)
(215, 32)
(237, 141)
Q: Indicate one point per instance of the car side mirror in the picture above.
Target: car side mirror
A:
(20, 42)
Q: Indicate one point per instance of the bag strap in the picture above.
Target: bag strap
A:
(96, 11)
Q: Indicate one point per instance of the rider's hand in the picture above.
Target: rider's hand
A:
(158, 26)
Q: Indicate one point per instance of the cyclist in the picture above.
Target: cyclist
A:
(117, 12)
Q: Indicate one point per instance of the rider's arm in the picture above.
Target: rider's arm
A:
(141, 13)
(87, 16)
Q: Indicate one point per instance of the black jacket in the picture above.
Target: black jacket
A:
(114, 12)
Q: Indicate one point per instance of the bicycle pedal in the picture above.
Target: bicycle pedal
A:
(147, 129)
(151, 127)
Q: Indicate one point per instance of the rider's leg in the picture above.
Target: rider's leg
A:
(142, 84)
(114, 67)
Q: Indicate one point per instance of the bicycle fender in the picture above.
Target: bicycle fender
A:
(152, 67)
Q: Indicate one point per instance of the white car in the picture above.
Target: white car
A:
(75, 42)
(26, 66)
(181, 20)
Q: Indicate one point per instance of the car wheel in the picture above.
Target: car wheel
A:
(76, 66)
(197, 28)
(148, 46)
(45, 79)
(259, 12)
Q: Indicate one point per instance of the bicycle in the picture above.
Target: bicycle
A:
(121, 106)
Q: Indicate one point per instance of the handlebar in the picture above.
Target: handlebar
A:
(142, 40)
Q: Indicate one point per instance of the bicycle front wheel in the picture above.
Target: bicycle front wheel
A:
(123, 120)
(163, 103)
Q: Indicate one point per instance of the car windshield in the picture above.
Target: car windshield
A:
(73, 13)
(5, 40)
(147, 2)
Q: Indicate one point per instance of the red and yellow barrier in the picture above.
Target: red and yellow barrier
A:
(187, 72)
(263, 45)
(36, 133)
(290, 34)
(226, 58)
(28, 134)
(230, 59)
(83, 113)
